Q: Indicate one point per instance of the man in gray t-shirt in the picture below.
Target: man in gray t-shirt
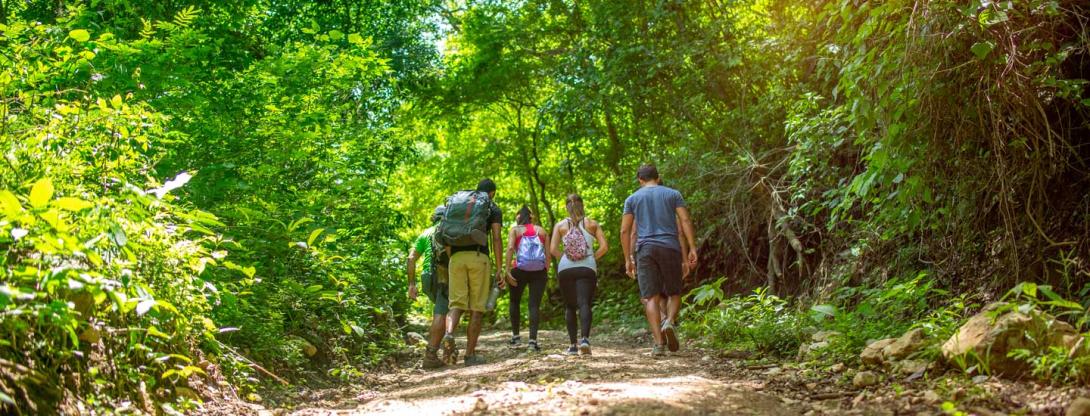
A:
(657, 261)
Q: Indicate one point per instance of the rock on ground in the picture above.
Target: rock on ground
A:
(992, 337)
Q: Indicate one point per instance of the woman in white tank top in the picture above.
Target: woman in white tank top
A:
(577, 271)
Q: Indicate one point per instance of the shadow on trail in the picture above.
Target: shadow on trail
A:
(618, 379)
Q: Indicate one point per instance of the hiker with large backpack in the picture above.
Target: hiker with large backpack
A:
(526, 247)
(657, 262)
(577, 270)
(433, 284)
(470, 220)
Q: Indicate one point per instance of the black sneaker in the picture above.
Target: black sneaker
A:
(572, 350)
(515, 341)
(532, 346)
(584, 347)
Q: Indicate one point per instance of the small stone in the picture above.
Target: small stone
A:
(774, 371)
(1079, 407)
(413, 338)
(824, 336)
(865, 379)
(910, 367)
(593, 401)
(980, 379)
(706, 358)
(930, 396)
(838, 367)
(481, 405)
(908, 343)
(872, 354)
(859, 399)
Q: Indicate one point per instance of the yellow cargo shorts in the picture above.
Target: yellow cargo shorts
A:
(469, 279)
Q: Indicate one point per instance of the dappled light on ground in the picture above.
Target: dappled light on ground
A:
(619, 378)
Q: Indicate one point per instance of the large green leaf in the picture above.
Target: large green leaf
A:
(41, 193)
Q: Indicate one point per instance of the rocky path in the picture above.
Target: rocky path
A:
(619, 378)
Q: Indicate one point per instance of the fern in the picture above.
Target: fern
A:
(148, 30)
(186, 17)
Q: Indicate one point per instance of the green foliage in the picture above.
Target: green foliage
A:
(99, 259)
(760, 321)
(272, 243)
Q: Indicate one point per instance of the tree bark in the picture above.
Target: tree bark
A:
(616, 147)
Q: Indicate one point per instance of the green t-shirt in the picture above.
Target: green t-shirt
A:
(423, 247)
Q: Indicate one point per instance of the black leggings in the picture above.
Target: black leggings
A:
(536, 281)
(578, 285)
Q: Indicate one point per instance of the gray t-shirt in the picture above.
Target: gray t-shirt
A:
(655, 212)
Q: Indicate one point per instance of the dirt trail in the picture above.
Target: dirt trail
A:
(618, 378)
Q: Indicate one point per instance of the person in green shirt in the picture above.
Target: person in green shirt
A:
(434, 287)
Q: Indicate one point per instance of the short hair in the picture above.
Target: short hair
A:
(647, 172)
(486, 185)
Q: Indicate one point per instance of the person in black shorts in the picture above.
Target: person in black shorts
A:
(656, 260)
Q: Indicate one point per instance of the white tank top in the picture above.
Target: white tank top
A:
(588, 262)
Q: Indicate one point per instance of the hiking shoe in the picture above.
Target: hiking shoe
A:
(450, 350)
(431, 360)
(532, 346)
(572, 350)
(474, 359)
(515, 341)
(670, 334)
(584, 347)
(658, 350)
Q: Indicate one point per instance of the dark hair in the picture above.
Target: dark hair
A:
(486, 185)
(574, 205)
(524, 216)
(437, 214)
(647, 172)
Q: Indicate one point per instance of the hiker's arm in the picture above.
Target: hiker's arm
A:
(554, 247)
(548, 250)
(626, 244)
(687, 226)
(603, 245)
(497, 243)
(410, 269)
(685, 269)
(512, 236)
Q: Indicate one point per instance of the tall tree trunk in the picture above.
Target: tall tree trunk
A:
(616, 147)
(534, 171)
(3, 13)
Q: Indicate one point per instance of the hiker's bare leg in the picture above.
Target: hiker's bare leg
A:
(453, 317)
(473, 331)
(438, 328)
(651, 310)
(673, 305)
(663, 309)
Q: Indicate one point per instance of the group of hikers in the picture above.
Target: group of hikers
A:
(656, 236)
